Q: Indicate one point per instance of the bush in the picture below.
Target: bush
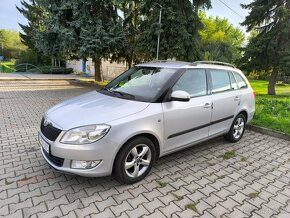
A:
(52, 70)
(257, 75)
(7, 67)
(32, 57)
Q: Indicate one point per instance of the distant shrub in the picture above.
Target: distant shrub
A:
(7, 67)
(52, 70)
(257, 75)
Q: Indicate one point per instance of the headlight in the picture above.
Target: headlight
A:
(85, 134)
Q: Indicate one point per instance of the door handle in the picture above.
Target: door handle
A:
(207, 105)
(237, 98)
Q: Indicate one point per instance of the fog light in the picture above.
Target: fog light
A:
(84, 164)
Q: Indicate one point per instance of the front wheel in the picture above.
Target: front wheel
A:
(237, 129)
(135, 160)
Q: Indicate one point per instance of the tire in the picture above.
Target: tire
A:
(139, 155)
(237, 129)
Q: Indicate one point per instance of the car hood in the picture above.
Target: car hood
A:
(92, 108)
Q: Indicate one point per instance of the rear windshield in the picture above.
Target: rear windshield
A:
(140, 83)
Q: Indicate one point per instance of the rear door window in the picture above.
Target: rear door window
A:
(220, 80)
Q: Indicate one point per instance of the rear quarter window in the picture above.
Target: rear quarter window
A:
(233, 82)
(241, 82)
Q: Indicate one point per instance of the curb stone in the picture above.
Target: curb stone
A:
(269, 132)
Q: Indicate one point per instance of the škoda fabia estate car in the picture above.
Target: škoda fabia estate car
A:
(149, 111)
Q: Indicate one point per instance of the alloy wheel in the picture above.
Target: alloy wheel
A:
(238, 128)
(138, 160)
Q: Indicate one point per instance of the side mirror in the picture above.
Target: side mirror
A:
(179, 96)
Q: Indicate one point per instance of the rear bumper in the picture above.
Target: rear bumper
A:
(250, 116)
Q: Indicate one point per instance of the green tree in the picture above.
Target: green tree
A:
(78, 29)
(269, 50)
(36, 16)
(132, 19)
(10, 44)
(179, 31)
(101, 33)
(220, 39)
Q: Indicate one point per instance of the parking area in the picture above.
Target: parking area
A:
(214, 179)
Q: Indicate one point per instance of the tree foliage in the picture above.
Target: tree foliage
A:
(269, 49)
(131, 22)
(10, 44)
(220, 39)
(78, 29)
(179, 31)
(36, 16)
(93, 28)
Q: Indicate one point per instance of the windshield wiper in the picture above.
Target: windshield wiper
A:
(107, 89)
(118, 92)
(122, 93)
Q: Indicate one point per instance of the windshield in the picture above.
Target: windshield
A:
(140, 83)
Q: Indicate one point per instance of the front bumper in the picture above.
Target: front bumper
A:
(60, 156)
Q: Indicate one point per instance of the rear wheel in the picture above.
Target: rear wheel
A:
(237, 129)
(135, 160)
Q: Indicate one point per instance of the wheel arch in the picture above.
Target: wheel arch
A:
(150, 136)
(245, 113)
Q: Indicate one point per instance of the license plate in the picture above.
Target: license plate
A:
(44, 144)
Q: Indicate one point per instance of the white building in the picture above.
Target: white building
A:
(110, 70)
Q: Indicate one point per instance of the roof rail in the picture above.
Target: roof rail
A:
(214, 62)
(164, 61)
(159, 61)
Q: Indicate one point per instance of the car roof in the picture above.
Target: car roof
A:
(182, 64)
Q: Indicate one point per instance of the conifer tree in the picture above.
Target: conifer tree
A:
(269, 50)
(179, 30)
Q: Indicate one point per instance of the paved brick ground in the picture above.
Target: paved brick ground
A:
(193, 182)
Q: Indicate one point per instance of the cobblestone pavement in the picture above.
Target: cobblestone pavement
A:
(198, 181)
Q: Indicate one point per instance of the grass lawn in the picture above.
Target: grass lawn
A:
(272, 112)
(261, 87)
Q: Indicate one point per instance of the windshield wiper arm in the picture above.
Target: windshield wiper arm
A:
(122, 93)
(118, 92)
(106, 89)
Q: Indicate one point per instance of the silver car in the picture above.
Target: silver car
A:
(147, 112)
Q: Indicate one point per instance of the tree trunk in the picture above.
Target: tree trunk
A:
(272, 82)
(129, 61)
(98, 68)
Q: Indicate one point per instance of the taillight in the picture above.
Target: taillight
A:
(254, 94)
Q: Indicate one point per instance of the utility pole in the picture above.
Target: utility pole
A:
(158, 39)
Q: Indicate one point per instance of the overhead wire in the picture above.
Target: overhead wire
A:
(231, 9)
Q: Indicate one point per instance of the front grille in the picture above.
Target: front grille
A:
(49, 131)
(56, 160)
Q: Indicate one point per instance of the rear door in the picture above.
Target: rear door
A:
(187, 122)
(226, 100)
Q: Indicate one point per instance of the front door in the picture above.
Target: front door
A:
(187, 122)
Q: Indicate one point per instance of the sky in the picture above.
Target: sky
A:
(219, 9)
(10, 17)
